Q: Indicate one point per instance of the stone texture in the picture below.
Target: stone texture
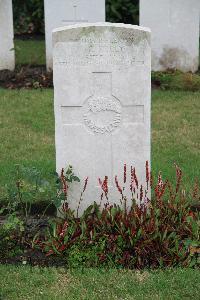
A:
(102, 104)
(175, 33)
(60, 13)
(7, 54)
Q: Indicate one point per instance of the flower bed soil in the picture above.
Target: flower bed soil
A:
(34, 257)
(28, 254)
(26, 77)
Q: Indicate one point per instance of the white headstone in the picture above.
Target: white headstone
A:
(102, 104)
(60, 13)
(7, 54)
(175, 33)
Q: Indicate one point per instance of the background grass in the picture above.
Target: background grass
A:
(27, 132)
(36, 283)
(176, 133)
(30, 52)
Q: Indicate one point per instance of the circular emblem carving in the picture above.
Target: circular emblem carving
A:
(102, 114)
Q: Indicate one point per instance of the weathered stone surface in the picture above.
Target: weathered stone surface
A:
(102, 104)
(60, 13)
(7, 54)
(175, 33)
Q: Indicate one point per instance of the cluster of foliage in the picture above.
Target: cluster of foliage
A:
(176, 80)
(23, 212)
(26, 189)
(29, 15)
(122, 11)
(23, 197)
(163, 232)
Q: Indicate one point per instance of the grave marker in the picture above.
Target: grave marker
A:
(102, 103)
(60, 13)
(7, 53)
(175, 33)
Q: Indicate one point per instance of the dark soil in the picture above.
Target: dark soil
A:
(22, 249)
(27, 77)
(34, 257)
(37, 208)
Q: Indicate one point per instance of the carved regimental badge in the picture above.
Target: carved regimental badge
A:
(102, 114)
(102, 111)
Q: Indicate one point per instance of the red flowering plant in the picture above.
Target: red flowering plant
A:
(163, 231)
(63, 183)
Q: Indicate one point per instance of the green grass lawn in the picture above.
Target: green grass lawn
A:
(30, 52)
(91, 284)
(176, 133)
(27, 132)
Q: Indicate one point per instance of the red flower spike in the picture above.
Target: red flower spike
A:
(163, 189)
(132, 180)
(147, 173)
(117, 185)
(85, 185)
(124, 173)
(135, 178)
(141, 193)
(104, 185)
(65, 206)
(64, 229)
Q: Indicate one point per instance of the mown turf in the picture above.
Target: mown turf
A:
(30, 52)
(27, 132)
(35, 283)
(176, 133)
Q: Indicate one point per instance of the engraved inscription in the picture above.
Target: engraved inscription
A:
(84, 53)
(103, 114)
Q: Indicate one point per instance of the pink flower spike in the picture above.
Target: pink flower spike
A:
(104, 185)
(85, 185)
(124, 173)
(117, 185)
(135, 178)
(141, 193)
(147, 173)
(132, 179)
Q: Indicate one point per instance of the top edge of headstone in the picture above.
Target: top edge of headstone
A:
(101, 24)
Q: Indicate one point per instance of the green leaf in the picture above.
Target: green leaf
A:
(75, 178)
